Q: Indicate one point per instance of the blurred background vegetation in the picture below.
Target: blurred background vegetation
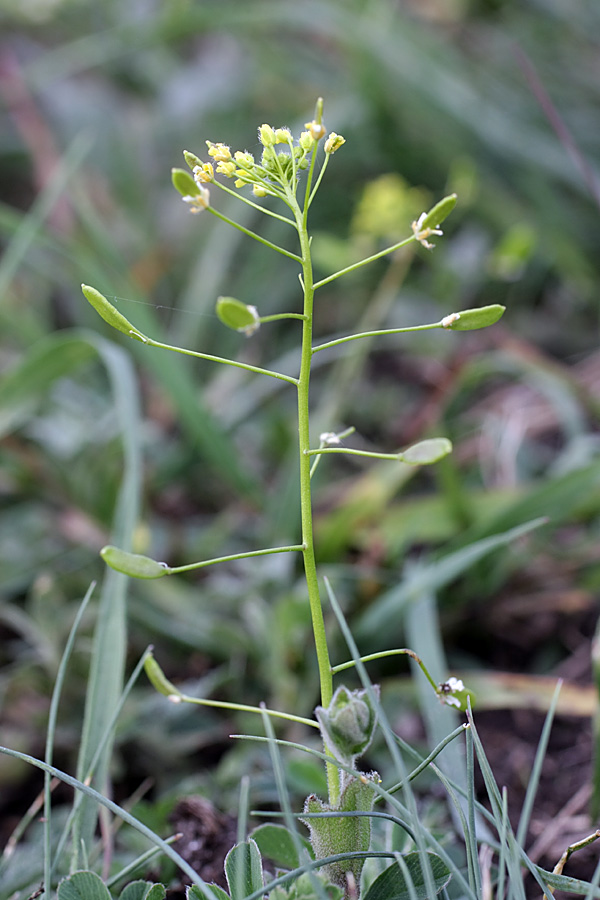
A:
(493, 99)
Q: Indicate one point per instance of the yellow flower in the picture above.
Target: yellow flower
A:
(226, 168)
(316, 129)
(219, 152)
(203, 173)
(199, 201)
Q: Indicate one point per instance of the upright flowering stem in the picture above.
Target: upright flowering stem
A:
(310, 568)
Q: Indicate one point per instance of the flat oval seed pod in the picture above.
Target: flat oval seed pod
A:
(111, 315)
(471, 319)
(133, 564)
(426, 452)
(184, 183)
(237, 315)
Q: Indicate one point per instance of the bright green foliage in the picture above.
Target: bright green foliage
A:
(83, 886)
(143, 890)
(392, 885)
(276, 843)
(243, 870)
(304, 888)
(133, 564)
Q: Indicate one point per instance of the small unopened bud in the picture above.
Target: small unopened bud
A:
(333, 142)
(259, 191)
(191, 159)
(266, 136)
(306, 141)
(283, 136)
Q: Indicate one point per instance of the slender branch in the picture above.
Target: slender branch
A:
(222, 559)
(276, 316)
(372, 453)
(370, 334)
(319, 178)
(220, 359)
(241, 707)
(262, 209)
(383, 653)
(363, 262)
(252, 234)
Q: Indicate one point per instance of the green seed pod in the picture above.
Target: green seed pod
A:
(471, 319)
(438, 213)
(159, 680)
(110, 314)
(133, 564)
(184, 183)
(237, 315)
(191, 159)
(426, 452)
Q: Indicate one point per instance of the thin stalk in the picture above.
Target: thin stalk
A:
(363, 262)
(371, 334)
(242, 707)
(220, 359)
(262, 209)
(320, 451)
(381, 655)
(276, 316)
(221, 559)
(310, 568)
(252, 234)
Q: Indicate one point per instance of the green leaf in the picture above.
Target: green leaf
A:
(143, 890)
(110, 314)
(391, 884)
(439, 212)
(184, 183)
(195, 893)
(276, 843)
(426, 452)
(83, 886)
(133, 564)
(243, 870)
(472, 319)
(237, 315)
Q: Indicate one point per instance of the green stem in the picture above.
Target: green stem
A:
(233, 556)
(363, 262)
(262, 209)
(220, 359)
(370, 334)
(371, 453)
(252, 234)
(383, 653)
(276, 316)
(242, 707)
(310, 568)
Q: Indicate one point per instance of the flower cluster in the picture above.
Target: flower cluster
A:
(275, 174)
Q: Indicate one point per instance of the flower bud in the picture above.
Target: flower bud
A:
(306, 141)
(316, 129)
(159, 680)
(266, 136)
(219, 152)
(348, 723)
(191, 159)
